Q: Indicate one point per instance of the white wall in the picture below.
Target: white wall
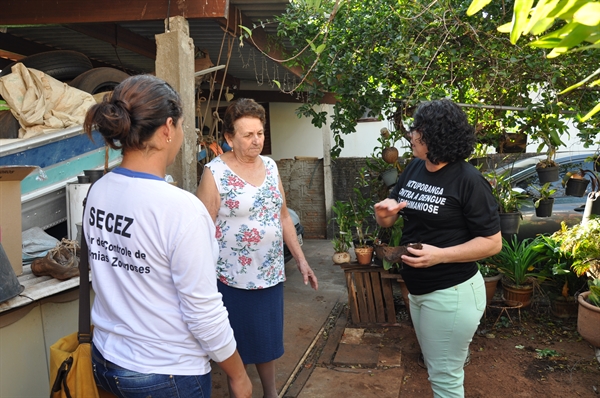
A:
(292, 136)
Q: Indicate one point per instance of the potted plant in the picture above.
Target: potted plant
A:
(362, 213)
(517, 263)
(491, 276)
(580, 244)
(513, 142)
(562, 283)
(547, 169)
(509, 201)
(543, 201)
(576, 183)
(343, 238)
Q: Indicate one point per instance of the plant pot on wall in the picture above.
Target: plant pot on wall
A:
(389, 177)
(509, 223)
(576, 186)
(547, 174)
(588, 320)
(544, 208)
(512, 143)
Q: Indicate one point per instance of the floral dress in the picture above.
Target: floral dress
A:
(248, 228)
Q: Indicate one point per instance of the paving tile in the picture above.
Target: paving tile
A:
(346, 383)
(352, 336)
(390, 356)
(357, 354)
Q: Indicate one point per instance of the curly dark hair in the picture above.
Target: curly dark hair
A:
(445, 130)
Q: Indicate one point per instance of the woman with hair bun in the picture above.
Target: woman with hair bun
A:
(158, 316)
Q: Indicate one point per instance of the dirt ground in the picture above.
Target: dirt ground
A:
(538, 356)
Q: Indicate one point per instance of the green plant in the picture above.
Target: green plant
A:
(562, 281)
(395, 235)
(363, 213)
(580, 245)
(580, 174)
(544, 192)
(509, 200)
(517, 261)
(344, 220)
(594, 297)
(487, 269)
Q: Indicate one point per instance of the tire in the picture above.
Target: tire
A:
(9, 125)
(98, 80)
(62, 65)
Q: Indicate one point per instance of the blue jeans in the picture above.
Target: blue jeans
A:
(445, 322)
(129, 384)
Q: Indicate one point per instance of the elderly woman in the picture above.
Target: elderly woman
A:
(243, 194)
(158, 315)
(448, 207)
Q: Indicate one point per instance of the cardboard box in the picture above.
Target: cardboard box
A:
(10, 213)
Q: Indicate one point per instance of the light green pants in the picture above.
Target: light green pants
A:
(445, 321)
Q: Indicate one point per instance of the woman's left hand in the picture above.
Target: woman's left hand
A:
(307, 274)
(425, 257)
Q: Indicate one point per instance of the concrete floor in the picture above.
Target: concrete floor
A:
(324, 357)
(305, 313)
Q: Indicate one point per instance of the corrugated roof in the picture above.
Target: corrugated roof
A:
(246, 63)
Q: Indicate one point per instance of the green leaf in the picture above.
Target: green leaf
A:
(588, 14)
(540, 13)
(320, 49)
(245, 29)
(591, 113)
(476, 6)
(520, 15)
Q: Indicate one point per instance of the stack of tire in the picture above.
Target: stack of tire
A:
(71, 67)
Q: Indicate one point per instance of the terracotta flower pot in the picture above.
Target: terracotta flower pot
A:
(517, 294)
(563, 308)
(491, 284)
(364, 255)
(588, 320)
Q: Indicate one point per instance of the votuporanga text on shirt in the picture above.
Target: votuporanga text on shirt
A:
(103, 250)
(423, 197)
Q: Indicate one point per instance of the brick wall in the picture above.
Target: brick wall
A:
(303, 183)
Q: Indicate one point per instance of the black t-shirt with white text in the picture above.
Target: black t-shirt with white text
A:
(445, 208)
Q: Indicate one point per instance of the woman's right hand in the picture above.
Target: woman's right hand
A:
(386, 212)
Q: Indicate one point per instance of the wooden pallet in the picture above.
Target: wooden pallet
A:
(370, 297)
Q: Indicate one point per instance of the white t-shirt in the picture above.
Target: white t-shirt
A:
(153, 255)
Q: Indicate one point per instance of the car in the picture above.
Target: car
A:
(566, 208)
(299, 232)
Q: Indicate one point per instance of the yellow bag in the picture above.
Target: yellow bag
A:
(71, 367)
(71, 373)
